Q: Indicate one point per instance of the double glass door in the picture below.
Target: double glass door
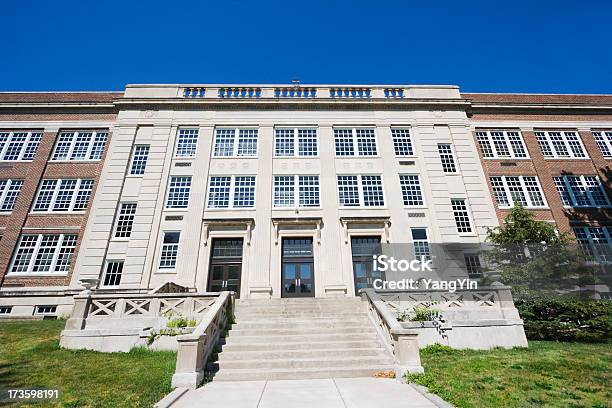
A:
(226, 265)
(297, 270)
(362, 249)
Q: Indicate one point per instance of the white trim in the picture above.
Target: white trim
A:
(235, 142)
(296, 192)
(296, 138)
(486, 133)
(356, 152)
(56, 189)
(360, 192)
(232, 192)
(524, 190)
(546, 139)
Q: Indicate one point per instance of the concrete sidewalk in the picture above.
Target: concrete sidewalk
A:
(324, 393)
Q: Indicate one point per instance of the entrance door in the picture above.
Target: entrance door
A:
(297, 270)
(225, 265)
(362, 249)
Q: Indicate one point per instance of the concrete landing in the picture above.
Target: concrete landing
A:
(320, 393)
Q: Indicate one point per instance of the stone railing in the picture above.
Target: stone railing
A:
(239, 92)
(195, 348)
(401, 342)
(349, 92)
(295, 92)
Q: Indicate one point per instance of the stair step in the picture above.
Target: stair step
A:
(306, 354)
(303, 374)
(301, 330)
(299, 363)
(258, 315)
(272, 340)
(301, 346)
(304, 323)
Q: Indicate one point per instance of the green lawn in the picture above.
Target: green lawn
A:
(549, 374)
(30, 356)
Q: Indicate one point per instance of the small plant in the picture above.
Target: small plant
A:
(192, 323)
(177, 322)
(174, 327)
(424, 314)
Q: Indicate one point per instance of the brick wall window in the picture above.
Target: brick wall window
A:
(361, 190)
(178, 192)
(80, 145)
(291, 142)
(113, 273)
(581, 191)
(125, 220)
(402, 142)
(231, 192)
(57, 195)
(603, 138)
(596, 242)
(512, 190)
(235, 143)
(186, 143)
(560, 145)
(411, 190)
(461, 215)
(45, 310)
(445, 150)
(9, 191)
(169, 250)
(140, 156)
(19, 146)
(420, 241)
(501, 144)
(43, 254)
(355, 142)
(296, 191)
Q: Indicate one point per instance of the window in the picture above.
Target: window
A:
(125, 220)
(45, 310)
(289, 142)
(169, 250)
(178, 193)
(473, 265)
(603, 138)
(80, 145)
(360, 190)
(139, 160)
(15, 146)
(9, 191)
(581, 191)
(402, 143)
(462, 218)
(445, 151)
(560, 145)
(235, 143)
(420, 242)
(411, 190)
(512, 190)
(186, 143)
(501, 144)
(5, 310)
(237, 190)
(596, 242)
(46, 254)
(112, 275)
(305, 195)
(355, 142)
(63, 195)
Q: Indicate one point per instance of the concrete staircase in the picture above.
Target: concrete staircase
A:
(300, 339)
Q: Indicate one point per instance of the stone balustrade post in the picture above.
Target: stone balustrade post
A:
(190, 361)
(80, 311)
(406, 350)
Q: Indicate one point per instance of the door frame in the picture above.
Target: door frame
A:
(350, 241)
(229, 261)
(298, 260)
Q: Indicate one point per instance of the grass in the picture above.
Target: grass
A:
(548, 373)
(30, 357)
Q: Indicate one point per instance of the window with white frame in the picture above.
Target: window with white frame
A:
(178, 192)
(581, 191)
(473, 265)
(45, 310)
(420, 242)
(596, 242)
(360, 190)
(501, 144)
(80, 145)
(445, 150)
(9, 191)
(16, 146)
(113, 273)
(296, 191)
(603, 138)
(512, 190)
(169, 250)
(140, 156)
(43, 254)
(291, 142)
(355, 142)
(231, 192)
(186, 143)
(402, 142)
(411, 190)
(560, 145)
(57, 195)
(461, 215)
(235, 142)
(125, 220)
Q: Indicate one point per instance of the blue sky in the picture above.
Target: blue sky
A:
(521, 46)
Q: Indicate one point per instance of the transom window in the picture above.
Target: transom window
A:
(596, 242)
(303, 190)
(501, 144)
(125, 220)
(360, 190)
(420, 242)
(169, 250)
(63, 195)
(603, 138)
(43, 254)
(560, 145)
(140, 156)
(402, 142)
(186, 143)
(235, 143)
(113, 273)
(461, 215)
(15, 146)
(445, 150)
(290, 142)
(80, 145)
(355, 142)
(9, 191)
(411, 190)
(178, 192)
(581, 191)
(231, 192)
(512, 190)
